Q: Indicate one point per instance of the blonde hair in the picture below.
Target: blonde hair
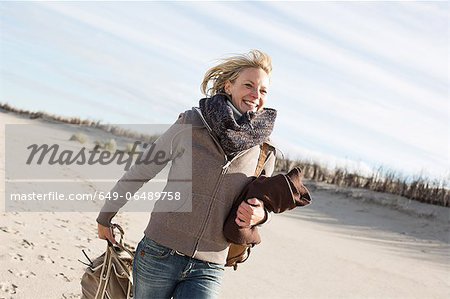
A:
(230, 69)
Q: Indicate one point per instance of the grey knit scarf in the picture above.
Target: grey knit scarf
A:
(251, 129)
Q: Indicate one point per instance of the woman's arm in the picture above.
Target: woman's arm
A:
(253, 212)
(141, 173)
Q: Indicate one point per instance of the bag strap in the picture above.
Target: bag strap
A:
(120, 243)
(104, 275)
(107, 264)
(263, 155)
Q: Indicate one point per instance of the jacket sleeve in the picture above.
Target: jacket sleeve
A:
(141, 173)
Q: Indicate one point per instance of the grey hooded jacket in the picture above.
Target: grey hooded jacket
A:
(216, 183)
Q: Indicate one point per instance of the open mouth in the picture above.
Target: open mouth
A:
(252, 105)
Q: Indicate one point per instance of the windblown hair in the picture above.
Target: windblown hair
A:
(231, 67)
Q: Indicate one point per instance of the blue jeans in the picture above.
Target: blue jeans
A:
(161, 272)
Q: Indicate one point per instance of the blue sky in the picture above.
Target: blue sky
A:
(357, 84)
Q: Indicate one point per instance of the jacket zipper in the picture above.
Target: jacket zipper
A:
(216, 187)
(210, 134)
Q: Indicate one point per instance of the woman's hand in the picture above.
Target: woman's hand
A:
(251, 213)
(106, 233)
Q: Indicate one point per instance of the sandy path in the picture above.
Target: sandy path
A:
(338, 247)
(341, 248)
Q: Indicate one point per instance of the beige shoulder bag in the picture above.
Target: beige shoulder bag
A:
(109, 275)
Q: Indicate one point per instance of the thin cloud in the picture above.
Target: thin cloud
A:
(351, 81)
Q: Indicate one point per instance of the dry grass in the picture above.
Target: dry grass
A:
(418, 188)
(415, 188)
(108, 145)
(115, 130)
(80, 137)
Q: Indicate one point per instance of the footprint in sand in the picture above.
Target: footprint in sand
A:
(51, 247)
(42, 217)
(22, 274)
(70, 296)
(27, 244)
(43, 235)
(83, 239)
(46, 258)
(19, 223)
(8, 288)
(16, 256)
(8, 230)
(54, 242)
(68, 267)
(62, 275)
(67, 259)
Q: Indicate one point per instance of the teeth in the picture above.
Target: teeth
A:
(251, 103)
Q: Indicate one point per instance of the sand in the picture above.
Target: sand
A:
(349, 243)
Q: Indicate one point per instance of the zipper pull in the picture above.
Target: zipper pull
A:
(226, 165)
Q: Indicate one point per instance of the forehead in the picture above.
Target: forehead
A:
(255, 75)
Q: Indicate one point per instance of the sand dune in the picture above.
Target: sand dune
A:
(347, 244)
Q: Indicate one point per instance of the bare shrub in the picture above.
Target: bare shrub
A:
(80, 137)
(117, 131)
(109, 145)
(388, 181)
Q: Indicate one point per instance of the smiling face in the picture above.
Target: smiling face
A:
(249, 90)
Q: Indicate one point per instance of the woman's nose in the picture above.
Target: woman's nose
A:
(256, 94)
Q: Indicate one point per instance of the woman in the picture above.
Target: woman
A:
(182, 254)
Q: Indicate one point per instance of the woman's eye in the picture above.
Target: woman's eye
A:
(264, 91)
(248, 85)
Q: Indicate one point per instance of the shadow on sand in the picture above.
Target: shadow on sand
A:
(424, 238)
